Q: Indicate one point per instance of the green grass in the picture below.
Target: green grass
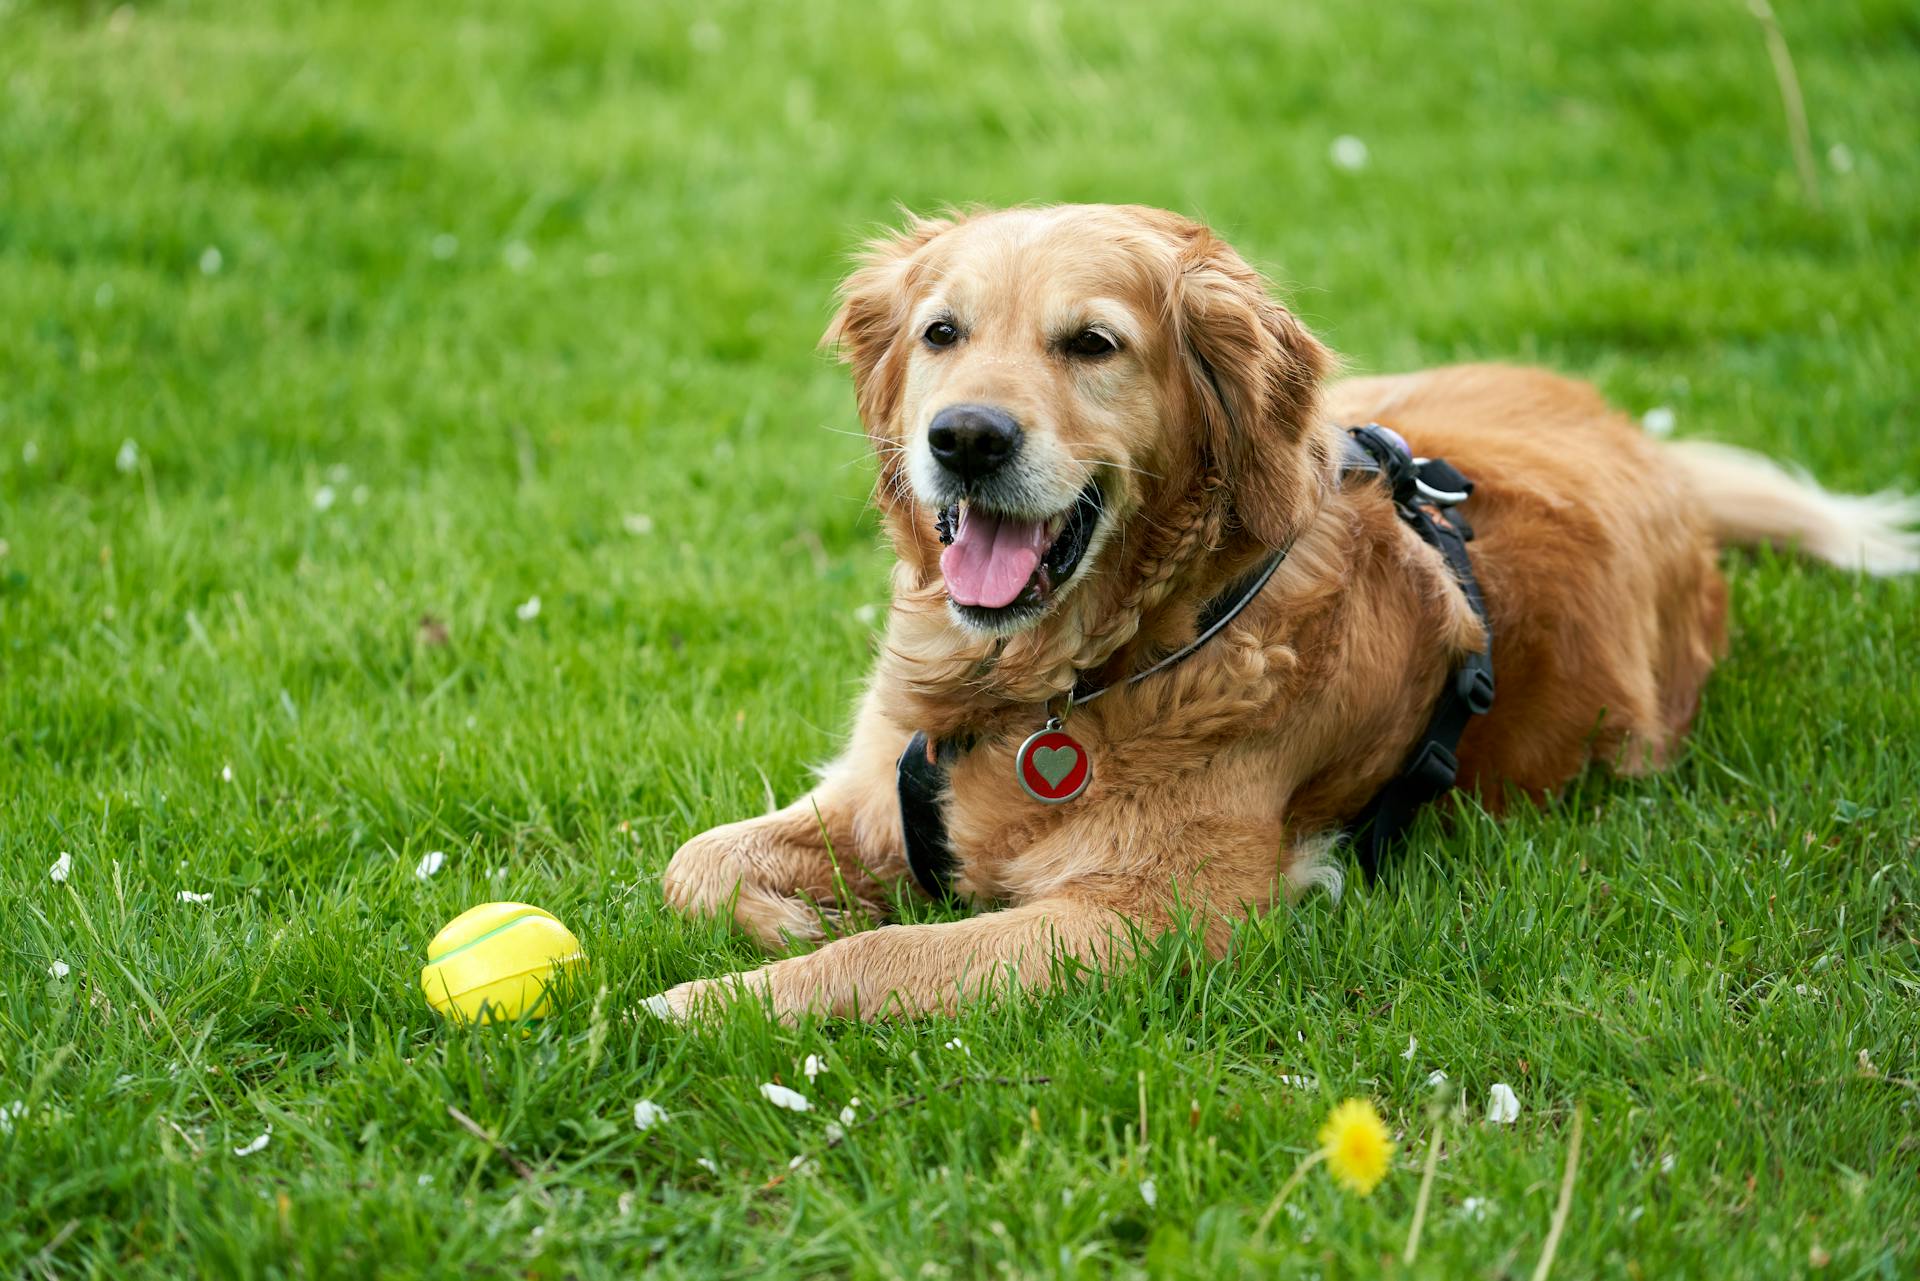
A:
(505, 282)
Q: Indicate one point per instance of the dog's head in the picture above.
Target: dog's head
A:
(1038, 381)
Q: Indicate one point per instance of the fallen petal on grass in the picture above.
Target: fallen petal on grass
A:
(647, 1114)
(62, 867)
(781, 1097)
(255, 1145)
(1503, 1108)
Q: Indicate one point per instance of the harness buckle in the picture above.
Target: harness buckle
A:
(1438, 497)
(1474, 684)
(1435, 766)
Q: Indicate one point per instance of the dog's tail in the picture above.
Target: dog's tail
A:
(1749, 499)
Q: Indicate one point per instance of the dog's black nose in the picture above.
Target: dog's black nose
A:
(973, 441)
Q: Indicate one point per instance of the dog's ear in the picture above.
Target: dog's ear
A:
(874, 301)
(1256, 372)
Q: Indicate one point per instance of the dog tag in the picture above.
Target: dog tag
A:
(1052, 765)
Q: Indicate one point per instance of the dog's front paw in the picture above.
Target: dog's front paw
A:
(703, 998)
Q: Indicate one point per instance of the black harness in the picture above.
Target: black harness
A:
(1425, 491)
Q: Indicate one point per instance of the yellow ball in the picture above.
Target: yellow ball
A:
(498, 962)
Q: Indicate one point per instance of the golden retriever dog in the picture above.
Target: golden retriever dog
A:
(1110, 417)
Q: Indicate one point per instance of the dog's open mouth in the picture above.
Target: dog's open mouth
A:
(1000, 567)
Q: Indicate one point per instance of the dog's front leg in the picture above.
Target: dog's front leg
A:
(827, 859)
(916, 969)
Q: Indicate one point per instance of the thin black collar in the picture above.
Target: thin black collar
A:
(1214, 617)
(922, 774)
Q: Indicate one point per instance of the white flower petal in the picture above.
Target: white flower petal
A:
(708, 1164)
(781, 1097)
(1666, 1163)
(430, 864)
(1436, 1078)
(527, 611)
(60, 869)
(1149, 1193)
(647, 1114)
(9, 1113)
(1476, 1208)
(226, 773)
(1348, 153)
(128, 459)
(188, 896)
(846, 1113)
(813, 1067)
(1503, 1108)
(1659, 421)
(210, 260)
(802, 1164)
(1412, 1045)
(59, 969)
(957, 1044)
(254, 1145)
(324, 498)
(1298, 1082)
(835, 1132)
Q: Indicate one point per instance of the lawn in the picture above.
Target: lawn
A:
(412, 439)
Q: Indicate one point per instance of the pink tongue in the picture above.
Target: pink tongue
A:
(991, 558)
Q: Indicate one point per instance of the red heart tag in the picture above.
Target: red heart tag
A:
(1053, 767)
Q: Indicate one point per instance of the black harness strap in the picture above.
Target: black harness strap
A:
(1423, 490)
(922, 777)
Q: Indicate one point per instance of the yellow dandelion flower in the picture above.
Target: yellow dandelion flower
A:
(1355, 1146)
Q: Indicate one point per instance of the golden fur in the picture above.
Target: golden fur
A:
(1213, 438)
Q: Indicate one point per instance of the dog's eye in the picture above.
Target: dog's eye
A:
(1089, 343)
(942, 333)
